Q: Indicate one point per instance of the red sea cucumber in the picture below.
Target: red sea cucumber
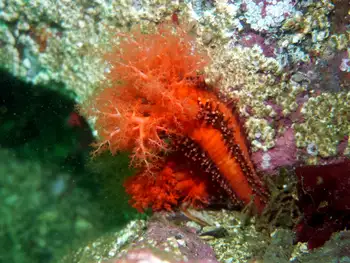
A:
(151, 76)
(188, 144)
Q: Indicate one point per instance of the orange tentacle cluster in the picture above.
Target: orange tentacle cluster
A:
(188, 144)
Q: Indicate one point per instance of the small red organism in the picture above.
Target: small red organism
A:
(74, 120)
(175, 18)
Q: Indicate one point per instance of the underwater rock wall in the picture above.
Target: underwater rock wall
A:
(286, 61)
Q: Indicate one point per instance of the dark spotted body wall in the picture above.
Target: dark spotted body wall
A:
(216, 149)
